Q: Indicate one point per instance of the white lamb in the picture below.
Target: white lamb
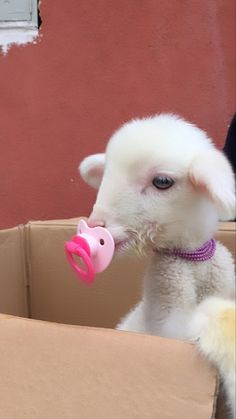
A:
(162, 186)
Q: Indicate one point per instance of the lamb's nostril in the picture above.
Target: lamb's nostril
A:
(96, 223)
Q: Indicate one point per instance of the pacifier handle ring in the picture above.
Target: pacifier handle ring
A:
(72, 249)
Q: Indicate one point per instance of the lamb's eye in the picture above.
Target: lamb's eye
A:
(162, 182)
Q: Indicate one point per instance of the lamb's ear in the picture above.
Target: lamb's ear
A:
(92, 168)
(212, 173)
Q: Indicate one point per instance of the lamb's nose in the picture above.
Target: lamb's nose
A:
(95, 223)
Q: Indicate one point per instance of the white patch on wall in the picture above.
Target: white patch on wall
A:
(18, 22)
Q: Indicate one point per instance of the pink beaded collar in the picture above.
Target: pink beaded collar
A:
(203, 253)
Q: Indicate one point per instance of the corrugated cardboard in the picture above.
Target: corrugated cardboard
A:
(13, 286)
(52, 371)
(55, 371)
(33, 264)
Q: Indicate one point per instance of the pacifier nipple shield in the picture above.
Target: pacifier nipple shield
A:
(94, 246)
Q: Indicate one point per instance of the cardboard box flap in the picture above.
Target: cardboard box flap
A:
(13, 278)
(56, 371)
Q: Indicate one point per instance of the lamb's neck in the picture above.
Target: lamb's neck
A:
(188, 241)
(165, 282)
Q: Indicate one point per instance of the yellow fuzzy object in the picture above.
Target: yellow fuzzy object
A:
(213, 327)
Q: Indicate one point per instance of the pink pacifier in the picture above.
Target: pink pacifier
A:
(95, 246)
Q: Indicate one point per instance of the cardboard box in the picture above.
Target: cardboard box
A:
(51, 370)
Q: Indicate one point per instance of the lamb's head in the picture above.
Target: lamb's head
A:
(161, 183)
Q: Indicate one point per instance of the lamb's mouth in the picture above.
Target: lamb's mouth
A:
(123, 245)
(127, 245)
(134, 245)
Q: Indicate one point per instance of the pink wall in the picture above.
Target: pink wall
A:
(99, 63)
